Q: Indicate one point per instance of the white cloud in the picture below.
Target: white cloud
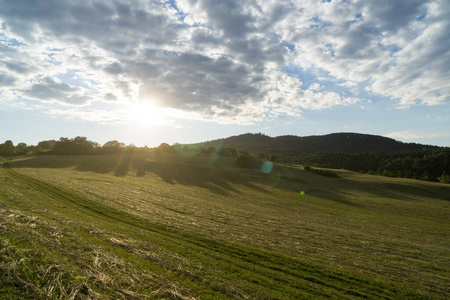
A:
(50, 89)
(222, 60)
(405, 135)
(91, 115)
(421, 70)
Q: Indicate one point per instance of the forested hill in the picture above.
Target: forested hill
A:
(335, 142)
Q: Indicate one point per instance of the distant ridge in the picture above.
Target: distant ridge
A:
(335, 142)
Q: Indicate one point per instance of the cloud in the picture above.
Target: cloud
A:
(400, 48)
(110, 97)
(391, 16)
(223, 60)
(50, 89)
(405, 135)
(421, 71)
(91, 115)
(7, 80)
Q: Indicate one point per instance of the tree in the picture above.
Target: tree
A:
(113, 146)
(46, 145)
(21, 149)
(208, 150)
(7, 148)
(227, 151)
(81, 145)
(262, 155)
(62, 146)
(77, 146)
(165, 148)
(244, 161)
(444, 178)
(272, 157)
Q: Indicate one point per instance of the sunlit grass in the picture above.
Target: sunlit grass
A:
(193, 228)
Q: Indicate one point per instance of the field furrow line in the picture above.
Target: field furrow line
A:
(265, 266)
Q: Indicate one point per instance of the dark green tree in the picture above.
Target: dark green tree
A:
(7, 148)
(272, 157)
(113, 147)
(262, 155)
(227, 151)
(76, 146)
(444, 178)
(244, 161)
(46, 145)
(22, 149)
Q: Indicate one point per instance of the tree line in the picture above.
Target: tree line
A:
(64, 146)
(425, 164)
(82, 146)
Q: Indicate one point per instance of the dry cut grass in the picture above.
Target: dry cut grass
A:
(202, 228)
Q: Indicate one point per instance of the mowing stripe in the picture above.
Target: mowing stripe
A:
(295, 277)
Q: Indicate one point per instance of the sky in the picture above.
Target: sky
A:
(147, 72)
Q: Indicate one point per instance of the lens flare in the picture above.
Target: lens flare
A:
(267, 167)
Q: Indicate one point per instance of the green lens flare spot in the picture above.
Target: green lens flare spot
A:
(267, 167)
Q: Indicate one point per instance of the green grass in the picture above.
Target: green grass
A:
(203, 228)
(321, 172)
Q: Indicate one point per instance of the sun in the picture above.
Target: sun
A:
(146, 114)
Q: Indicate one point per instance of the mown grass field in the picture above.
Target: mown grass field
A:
(201, 228)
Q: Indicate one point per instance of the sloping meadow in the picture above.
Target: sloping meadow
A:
(73, 228)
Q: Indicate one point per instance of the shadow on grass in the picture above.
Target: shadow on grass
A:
(95, 163)
(316, 185)
(218, 177)
(406, 191)
(212, 177)
(223, 176)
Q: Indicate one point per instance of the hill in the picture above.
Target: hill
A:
(352, 151)
(202, 228)
(335, 142)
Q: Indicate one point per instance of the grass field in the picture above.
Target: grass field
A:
(202, 228)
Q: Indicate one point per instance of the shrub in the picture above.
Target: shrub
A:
(262, 156)
(386, 173)
(244, 152)
(244, 161)
(325, 173)
(227, 151)
(272, 157)
(208, 150)
(320, 172)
